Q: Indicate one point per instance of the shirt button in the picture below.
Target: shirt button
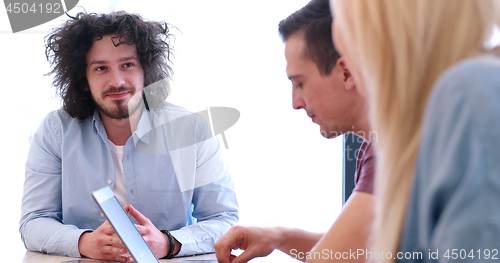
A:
(110, 181)
(102, 215)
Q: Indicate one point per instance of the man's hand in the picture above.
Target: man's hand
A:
(156, 240)
(102, 244)
(256, 241)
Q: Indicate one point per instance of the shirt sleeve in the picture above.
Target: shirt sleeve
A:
(454, 204)
(366, 170)
(215, 203)
(41, 224)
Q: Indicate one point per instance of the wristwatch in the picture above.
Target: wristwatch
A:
(171, 241)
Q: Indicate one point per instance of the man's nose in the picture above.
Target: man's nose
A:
(116, 79)
(297, 100)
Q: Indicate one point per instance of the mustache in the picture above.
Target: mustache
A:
(112, 90)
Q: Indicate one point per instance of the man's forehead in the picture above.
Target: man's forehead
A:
(295, 55)
(117, 40)
(295, 45)
(106, 49)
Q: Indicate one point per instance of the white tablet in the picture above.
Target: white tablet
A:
(123, 226)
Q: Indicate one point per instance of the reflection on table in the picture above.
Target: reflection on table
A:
(35, 257)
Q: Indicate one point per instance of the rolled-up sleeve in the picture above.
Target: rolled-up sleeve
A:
(216, 209)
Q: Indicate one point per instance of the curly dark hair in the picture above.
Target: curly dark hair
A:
(315, 21)
(66, 48)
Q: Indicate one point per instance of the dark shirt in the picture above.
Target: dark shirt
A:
(365, 169)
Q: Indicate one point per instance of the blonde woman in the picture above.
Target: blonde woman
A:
(434, 95)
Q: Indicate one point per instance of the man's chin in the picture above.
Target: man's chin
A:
(117, 111)
(120, 109)
(117, 115)
(328, 134)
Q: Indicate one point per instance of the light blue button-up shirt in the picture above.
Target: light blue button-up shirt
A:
(174, 173)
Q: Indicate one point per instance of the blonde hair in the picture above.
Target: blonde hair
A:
(398, 49)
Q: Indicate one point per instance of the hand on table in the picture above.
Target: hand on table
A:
(103, 244)
(256, 241)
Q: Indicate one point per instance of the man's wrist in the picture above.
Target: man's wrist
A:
(171, 245)
(178, 246)
(81, 243)
(281, 234)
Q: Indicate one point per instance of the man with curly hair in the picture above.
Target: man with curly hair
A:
(116, 129)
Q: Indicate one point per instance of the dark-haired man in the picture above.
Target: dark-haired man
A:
(323, 86)
(117, 130)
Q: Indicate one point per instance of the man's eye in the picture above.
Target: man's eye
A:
(101, 68)
(127, 65)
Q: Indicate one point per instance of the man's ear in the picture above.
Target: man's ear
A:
(349, 83)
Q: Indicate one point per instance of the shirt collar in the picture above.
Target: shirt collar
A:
(96, 121)
(148, 121)
(143, 127)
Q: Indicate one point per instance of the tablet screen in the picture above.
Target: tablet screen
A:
(123, 226)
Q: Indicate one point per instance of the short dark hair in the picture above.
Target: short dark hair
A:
(66, 48)
(315, 21)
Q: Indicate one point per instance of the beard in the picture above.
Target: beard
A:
(119, 109)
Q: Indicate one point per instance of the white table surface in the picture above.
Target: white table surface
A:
(35, 257)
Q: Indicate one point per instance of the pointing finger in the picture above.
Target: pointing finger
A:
(138, 216)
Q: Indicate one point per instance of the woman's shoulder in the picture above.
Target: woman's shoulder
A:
(477, 72)
(471, 80)
(465, 98)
